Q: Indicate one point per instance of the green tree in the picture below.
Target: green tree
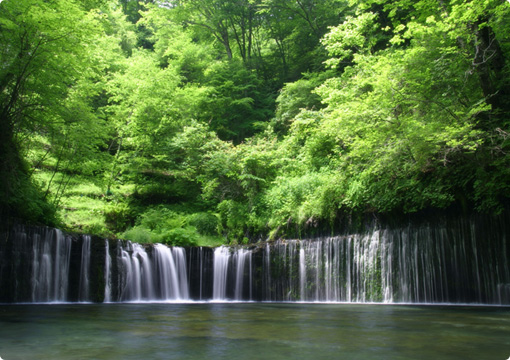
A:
(239, 104)
(211, 17)
(47, 50)
(174, 45)
(294, 30)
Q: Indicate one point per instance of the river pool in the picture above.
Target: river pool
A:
(253, 331)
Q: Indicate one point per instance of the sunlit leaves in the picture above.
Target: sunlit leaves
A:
(354, 35)
(410, 113)
(47, 74)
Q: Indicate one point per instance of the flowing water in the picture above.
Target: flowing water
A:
(150, 291)
(220, 272)
(85, 269)
(461, 262)
(160, 276)
(51, 259)
(253, 331)
(107, 274)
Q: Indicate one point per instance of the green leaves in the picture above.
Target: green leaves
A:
(45, 84)
(353, 36)
(398, 127)
(182, 109)
(237, 103)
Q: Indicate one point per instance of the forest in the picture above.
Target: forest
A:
(203, 122)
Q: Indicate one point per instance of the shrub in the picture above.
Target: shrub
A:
(187, 236)
(205, 223)
(118, 217)
(138, 234)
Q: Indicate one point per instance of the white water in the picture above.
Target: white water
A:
(425, 266)
(302, 274)
(220, 272)
(463, 263)
(240, 262)
(107, 274)
(348, 269)
(170, 269)
(161, 276)
(50, 267)
(381, 266)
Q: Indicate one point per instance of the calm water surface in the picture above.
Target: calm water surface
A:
(253, 331)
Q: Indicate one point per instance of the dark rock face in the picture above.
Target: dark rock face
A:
(200, 275)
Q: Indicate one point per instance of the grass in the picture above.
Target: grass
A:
(210, 241)
(84, 207)
(81, 205)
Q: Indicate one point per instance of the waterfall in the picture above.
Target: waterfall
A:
(136, 277)
(240, 262)
(302, 275)
(85, 269)
(232, 274)
(220, 272)
(50, 267)
(266, 270)
(107, 274)
(170, 273)
(451, 261)
(423, 265)
(160, 277)
(180, 262)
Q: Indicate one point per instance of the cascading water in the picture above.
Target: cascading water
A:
(50, 267)
(452, 262)
(425, 265)
(220, 272)
(232, 274)
(161, 276)
(170, 269)
(302, 275)
(132, 281)
(340, 269)
(107, 274)
(240, 261)
(85, 269)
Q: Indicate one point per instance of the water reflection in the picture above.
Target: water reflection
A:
(253, 331)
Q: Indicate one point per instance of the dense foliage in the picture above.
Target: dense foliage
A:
(208, 121)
